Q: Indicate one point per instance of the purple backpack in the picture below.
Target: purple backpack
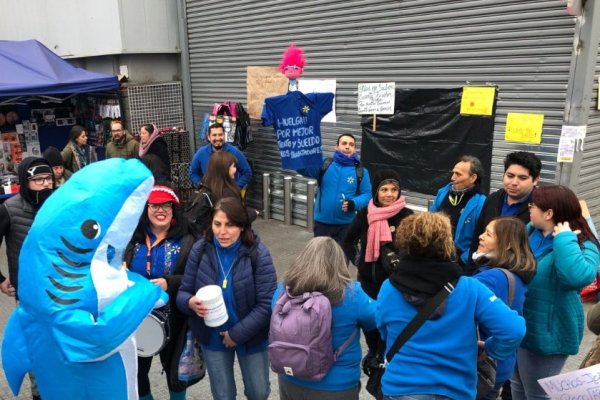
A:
(300, 336)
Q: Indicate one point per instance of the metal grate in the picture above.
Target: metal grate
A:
(179, 146)
(160, 104)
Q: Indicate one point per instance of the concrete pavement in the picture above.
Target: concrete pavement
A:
(284, 242)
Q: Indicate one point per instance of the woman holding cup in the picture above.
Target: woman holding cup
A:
(232, 258)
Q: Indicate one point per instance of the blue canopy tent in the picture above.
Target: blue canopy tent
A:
(29, 68)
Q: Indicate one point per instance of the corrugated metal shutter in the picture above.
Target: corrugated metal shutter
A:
(524, 47)
(590, 167)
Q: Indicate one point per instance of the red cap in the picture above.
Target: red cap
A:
(162, 194)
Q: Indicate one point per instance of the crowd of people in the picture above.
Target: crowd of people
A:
(510, 267)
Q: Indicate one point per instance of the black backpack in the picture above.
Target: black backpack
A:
(199, 210)
(243, 133)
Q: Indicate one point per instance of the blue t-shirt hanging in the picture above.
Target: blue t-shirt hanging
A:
(296, 118)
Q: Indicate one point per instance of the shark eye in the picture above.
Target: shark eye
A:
(90, 229)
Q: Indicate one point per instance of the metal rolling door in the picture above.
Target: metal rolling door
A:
(523, 47)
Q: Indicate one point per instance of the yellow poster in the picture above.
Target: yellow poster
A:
(524, 128)
(477, 100)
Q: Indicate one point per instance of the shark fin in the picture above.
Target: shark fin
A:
(15, 360)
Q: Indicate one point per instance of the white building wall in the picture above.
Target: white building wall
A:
(87, 28)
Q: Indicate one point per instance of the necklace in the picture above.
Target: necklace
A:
(455, 199)
(225, 275)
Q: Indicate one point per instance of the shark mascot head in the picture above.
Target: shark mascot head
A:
(78, 306)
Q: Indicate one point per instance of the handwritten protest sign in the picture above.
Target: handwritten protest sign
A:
(263, 82)
(583, 384)
(376, 98)
(524, 128)
(477, 100)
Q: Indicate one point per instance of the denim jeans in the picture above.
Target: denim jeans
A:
(255, 374)
(416, 397)
(531, 367)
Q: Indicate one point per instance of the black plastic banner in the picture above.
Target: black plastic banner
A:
(425, 137)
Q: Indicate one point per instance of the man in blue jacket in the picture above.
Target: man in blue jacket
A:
(462, 201)
(216, 138)
(344, 188)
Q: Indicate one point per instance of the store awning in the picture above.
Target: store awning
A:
(29, 68)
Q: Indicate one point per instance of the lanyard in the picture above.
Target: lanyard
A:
(149, 247)
(225, 275)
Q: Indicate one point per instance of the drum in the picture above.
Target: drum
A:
(152, 334)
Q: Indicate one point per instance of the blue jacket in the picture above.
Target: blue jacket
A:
(434, 361)
(553, 309)
(338, 180)
(252, 291)
(199, 164)
(465, 228)
(357, 310)
(497, 282)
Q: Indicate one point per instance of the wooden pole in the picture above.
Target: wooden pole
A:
(374, 122)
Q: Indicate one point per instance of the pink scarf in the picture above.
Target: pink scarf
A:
(379, 230)
(145, 147)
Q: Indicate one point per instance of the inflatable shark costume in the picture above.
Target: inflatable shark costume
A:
(78, 306)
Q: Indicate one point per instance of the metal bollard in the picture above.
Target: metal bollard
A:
(310, 205)
(430, 204)
(287, 200)
(266, 182)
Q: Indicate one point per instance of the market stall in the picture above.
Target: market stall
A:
(42, 96)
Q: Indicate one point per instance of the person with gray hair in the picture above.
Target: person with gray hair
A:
(321, 267)
(462, 200)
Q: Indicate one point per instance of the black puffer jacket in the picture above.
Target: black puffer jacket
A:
(16, 217)
(370, 274)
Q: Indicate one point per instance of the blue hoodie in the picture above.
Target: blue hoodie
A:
(441, 357)
(339, 184)
(199, 164)
(497, 282)
(356, 310)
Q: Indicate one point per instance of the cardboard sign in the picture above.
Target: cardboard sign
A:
(477, 100)
(376, 98)
(263, 82)
(524, 128)
(583, 384)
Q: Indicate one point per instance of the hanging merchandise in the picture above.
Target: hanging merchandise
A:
(235, 121)
(108, 108)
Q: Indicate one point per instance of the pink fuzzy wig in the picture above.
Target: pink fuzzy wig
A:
(293, 56)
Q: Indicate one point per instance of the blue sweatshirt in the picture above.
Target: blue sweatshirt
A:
(441, 357)
(356, 310)
(199, 164)
(339, 184)
(497, 282)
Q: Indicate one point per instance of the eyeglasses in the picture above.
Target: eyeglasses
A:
(41, 180)
(163, 206)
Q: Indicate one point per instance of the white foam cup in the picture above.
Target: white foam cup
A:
(212, 297)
